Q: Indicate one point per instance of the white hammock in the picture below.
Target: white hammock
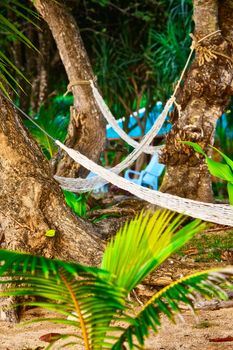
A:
(85, 185)
(113, 122)
(220, 214)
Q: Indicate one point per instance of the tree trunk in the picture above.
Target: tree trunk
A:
(203, 98)
(31, 202)
(87, 129)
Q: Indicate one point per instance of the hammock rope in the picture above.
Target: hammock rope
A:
(86, 185)
(220, 214)
(107, 113)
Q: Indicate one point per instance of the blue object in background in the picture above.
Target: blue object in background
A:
(149, 176)
(103, 188)
(136, 131)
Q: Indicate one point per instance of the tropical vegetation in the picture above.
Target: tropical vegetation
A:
(218, 169)
(95, 300)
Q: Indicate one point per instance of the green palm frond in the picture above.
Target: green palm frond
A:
(80, 289)
(167, 302)
(12, 32)
(12, 28)
(145, 243)
(96, 297)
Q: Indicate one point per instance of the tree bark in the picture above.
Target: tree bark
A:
(86, 131)
(31, 202)
(203, 98)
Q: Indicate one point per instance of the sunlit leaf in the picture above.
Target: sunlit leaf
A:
(50, 233)
(230, 192)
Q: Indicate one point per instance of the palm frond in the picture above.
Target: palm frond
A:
(207, 284)
(12, 32)
(80, 289)
(145, 243)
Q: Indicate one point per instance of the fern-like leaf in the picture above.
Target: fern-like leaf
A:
(82, 290)
(167, 301)
(144, 244)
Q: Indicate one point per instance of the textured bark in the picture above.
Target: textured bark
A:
(31, 202)
(87, 129)
(40, 78)
(203, 98)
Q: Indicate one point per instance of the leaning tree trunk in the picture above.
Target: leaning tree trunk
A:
(86, 131)
(31, 202)
(203, 98)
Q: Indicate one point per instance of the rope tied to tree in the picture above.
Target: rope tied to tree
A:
(78, 82)
(222, 214)
(206, 54)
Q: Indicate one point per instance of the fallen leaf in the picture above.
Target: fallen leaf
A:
(221, 340)
(50, 337)
(191, 251)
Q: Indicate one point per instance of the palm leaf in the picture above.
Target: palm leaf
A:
(98, 296)
(145, 243)
(11, 27)
(80, 289)
(167, 301)
(17, 7)
(227, 159)
(13, 30)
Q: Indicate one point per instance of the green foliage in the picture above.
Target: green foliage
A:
(137, 64)
(77, 203)
(98, 295)
(224, 131)
(155, 238)
(230, 192)
(170, 46)
(222, 171)
(12, 32)
(53, 118)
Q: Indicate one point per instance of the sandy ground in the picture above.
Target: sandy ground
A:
(194, 334)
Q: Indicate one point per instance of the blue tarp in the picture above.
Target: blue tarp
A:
(136, 131)
(152, 116)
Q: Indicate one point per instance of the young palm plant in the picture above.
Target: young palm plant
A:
(97, 297)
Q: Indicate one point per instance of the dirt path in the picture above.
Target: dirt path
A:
(194, 334)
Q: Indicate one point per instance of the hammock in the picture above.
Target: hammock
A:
(220, 214)
(86, 185)
(113, 122)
